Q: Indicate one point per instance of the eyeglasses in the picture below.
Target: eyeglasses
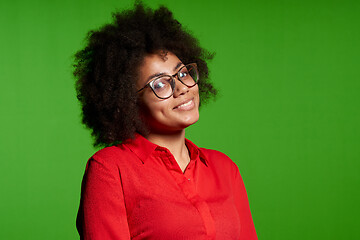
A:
(164, 86)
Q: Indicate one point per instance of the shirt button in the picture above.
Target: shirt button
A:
(189, 179)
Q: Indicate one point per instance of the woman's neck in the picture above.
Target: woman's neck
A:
(175, 142)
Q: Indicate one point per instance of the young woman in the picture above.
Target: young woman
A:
(140, 81)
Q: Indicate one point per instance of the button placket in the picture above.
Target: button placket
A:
(188, 187)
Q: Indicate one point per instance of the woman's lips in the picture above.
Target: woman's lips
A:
(187, 105)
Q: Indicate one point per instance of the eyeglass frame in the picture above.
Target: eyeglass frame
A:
(149, 84)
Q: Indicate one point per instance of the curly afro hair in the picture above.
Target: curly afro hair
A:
(107, 68)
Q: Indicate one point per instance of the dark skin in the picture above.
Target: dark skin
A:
(168, 118)
(106, 67)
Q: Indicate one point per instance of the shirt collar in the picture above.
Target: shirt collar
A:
(195, 151)
(140, 146)
(143, 148)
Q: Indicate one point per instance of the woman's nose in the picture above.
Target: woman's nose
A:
(180, 88)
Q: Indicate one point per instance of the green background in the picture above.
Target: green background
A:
(287, 113)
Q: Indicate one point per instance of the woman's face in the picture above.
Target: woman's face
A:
(167, 115)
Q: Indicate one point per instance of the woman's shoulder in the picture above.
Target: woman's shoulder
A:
(107, 152)
(218, 159)
(112, 154)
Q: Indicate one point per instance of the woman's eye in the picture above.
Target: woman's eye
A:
(183, 73)
(160, 84)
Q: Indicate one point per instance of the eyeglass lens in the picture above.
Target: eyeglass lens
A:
(163, 86)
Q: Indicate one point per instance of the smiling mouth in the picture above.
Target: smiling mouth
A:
(186, 106)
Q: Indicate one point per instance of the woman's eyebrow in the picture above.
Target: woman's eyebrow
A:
(178, 65)
(155, 75)
(160, 74)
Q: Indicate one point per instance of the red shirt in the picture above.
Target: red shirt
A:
(136, 190)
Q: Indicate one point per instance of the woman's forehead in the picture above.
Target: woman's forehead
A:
(157, 64)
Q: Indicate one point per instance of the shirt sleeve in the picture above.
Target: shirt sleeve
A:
(102, 213)
(242, 204)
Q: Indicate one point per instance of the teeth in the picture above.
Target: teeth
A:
(185, 104)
